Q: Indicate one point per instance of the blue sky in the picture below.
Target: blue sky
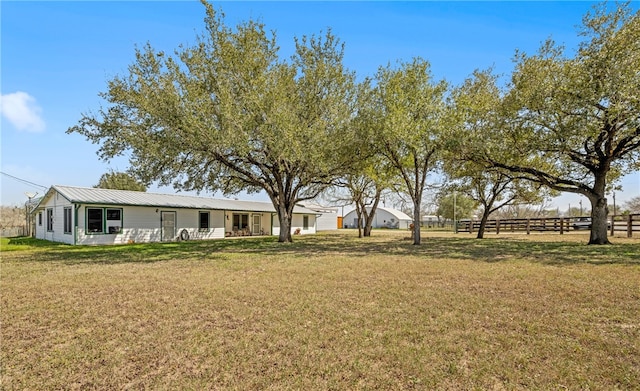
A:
(57, 56)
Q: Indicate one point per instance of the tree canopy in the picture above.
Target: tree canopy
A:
(633, 205)
(573, 123)
(412, 116)
(478, 103)
(119, 181)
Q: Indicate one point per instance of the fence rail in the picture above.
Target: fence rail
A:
(618, 223)
(625, 223)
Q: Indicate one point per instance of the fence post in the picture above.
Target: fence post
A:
(497, 226)
(562, 226)
(528, 226)
(629, 226)
(613, 224)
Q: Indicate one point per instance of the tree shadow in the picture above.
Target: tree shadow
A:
(460, 248)
(489, 250)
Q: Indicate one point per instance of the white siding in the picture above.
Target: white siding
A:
(297, 223)
(327, 222)
(57, 203)
(276, 225)
(142, 224)
(326, 216)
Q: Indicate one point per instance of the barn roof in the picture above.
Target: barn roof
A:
(397, 214)
(89, 195)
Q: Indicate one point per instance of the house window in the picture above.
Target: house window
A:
(240, 221)
(95, 223)
(204, 221)
(114, 214)
(305, 222)
(104, 220)
(50, 220)
(40, 219)
(67, 220)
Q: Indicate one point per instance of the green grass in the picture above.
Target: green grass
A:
(326, 312)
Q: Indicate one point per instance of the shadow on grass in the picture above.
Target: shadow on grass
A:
(328, 244)
(483, 250)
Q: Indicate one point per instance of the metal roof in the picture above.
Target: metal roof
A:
(319, 208)
(397, 214)
(89, 195)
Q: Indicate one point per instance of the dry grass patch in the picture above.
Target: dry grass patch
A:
(327, 312)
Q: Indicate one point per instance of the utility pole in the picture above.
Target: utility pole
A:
(27, 209)
(614, 203)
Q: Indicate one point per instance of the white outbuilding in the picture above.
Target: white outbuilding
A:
(383, 218)
(78, 215)
(326, 216)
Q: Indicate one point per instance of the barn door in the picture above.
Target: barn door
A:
(168, 220)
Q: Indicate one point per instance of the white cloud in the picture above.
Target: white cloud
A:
(22, 111)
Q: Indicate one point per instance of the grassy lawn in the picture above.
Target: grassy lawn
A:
(327, 312)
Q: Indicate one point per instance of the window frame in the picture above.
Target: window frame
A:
(88, 218)
(110, 217)
(305, 222)
(208, 222)
(49, 219)
(241, 217)
(67, 220)
(106, 215)
(40, 219)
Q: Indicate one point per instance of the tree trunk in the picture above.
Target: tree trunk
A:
(368, 222)
(416, 222)
(284, 218)
(483, 223)
(284, 209)
(599, 215)
(359, 219)
(368, 217)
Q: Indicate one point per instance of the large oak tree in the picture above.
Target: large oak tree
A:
(575, 120)
(227, 113)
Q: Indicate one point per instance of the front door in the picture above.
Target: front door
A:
(168, 220)
(256, 225)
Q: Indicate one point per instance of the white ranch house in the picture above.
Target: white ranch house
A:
(90, 216)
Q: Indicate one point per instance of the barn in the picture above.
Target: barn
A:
(90, 216)
(383, 218)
